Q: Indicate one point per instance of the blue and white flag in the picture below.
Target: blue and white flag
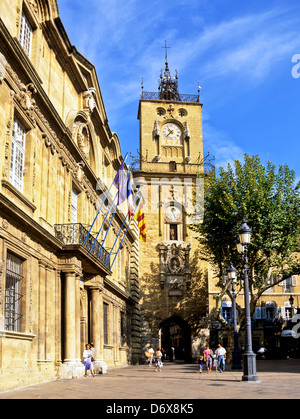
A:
(130, 198)
(121, 184)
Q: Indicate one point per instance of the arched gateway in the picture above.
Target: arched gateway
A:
(175, 337)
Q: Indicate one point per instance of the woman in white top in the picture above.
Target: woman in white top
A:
(158, 363)
(87, 360)
(151, 352)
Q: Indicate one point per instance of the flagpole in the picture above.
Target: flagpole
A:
(102, 204)
(108, 212)
(119, 233)
(103, 241)
(124, 234)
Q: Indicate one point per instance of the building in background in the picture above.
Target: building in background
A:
(171, 168)
(178, 290)
(58, 289)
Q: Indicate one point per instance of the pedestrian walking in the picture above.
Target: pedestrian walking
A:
(215, 363)
(87, 360)
(207, 358)
(221, 354)
(149, 354)
(173, 353)
(158, 356)
(200, 363)
(93, 356)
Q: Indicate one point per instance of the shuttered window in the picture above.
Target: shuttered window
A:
(17, 155)
(26, 35)
(13, 293)
(74, 206)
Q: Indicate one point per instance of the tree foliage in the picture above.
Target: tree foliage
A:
(269, 200)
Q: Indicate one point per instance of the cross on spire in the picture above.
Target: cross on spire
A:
(166, 51)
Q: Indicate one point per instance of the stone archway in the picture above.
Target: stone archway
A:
(176, 332)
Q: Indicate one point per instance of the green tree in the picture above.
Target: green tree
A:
(269, 200)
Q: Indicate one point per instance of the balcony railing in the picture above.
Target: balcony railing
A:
(70, 234)
(182, 98)
(173, 167)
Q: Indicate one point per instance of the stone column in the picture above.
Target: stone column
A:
(116, 333)
(70, 317)
(97, 327)
(72, 366)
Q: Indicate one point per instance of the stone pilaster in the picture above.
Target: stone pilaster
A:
(97, 327)
(72, 366)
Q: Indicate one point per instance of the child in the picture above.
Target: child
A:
(215, 361)
(158, 363)
(200, 363)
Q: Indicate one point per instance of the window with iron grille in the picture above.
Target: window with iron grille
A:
(13, 293)
(26, 35)
(105, 323)
(17, 155)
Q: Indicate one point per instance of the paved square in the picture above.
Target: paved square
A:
(277, 379)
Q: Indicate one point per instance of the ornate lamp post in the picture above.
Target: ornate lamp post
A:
(236, 356)
(291, 300)
(249, 356)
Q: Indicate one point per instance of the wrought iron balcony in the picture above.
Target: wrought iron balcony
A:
(70, 234)
(179, 98)
(173, 167)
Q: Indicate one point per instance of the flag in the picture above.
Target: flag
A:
(130, 198)
(120, 183)
(140, 217)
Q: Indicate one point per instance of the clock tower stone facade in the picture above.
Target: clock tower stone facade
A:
(173, 280)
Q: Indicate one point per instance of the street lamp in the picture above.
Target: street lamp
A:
(236, 356)
(293, 309)
(239, 246)
(244, 234)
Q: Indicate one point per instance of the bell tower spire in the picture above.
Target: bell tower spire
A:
(168, 85)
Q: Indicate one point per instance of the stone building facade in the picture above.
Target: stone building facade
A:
(58, 156)
(275, 320)
(178, 290)
(171, 167)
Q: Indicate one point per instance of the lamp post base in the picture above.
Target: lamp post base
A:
(249, 367)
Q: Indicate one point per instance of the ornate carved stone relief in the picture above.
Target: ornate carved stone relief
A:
(89, 99)
(174, 264)
(26, 100)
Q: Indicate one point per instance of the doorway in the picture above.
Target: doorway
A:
(176, 339)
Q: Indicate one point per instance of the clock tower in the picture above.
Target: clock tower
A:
(170, 158)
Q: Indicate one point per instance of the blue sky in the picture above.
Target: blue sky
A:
(240, 51)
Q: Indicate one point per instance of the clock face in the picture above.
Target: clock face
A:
(171, 132)
(173, 213)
